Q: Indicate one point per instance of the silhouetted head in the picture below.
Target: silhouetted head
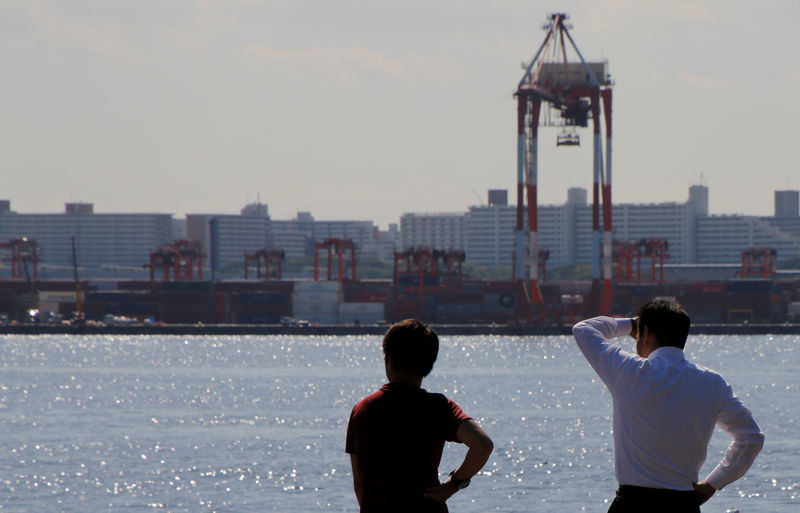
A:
(666, 320)
(411, 347)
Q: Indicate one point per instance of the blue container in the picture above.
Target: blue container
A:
(186, 286)
(748, 285)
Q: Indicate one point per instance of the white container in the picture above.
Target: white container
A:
(300, 309)
(361, 313)
(361, 308)
(317, 286)
(319, 297)
(56, 296)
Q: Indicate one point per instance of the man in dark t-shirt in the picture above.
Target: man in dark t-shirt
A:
(396, 435)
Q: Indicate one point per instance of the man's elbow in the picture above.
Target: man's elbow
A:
(758, 441)
(752, 443)
(484, 445)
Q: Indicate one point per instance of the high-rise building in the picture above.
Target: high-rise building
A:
(565, 231)
(721, 239)
(101, 240)
(436, 230)
(787, 204)
(225, 238)
(489, 235)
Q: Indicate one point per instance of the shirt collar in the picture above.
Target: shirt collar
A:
(669, 354)
(400, 387)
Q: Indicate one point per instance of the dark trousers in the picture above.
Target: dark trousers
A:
(638, 499)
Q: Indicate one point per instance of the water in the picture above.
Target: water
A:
(246, 424)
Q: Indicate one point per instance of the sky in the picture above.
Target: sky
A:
(369, 109)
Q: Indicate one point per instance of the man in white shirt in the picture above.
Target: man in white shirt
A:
(665, 411)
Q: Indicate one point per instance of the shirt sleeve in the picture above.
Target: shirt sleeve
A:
(748, 439)
(352, 433)
(455, 417)
(593, 338)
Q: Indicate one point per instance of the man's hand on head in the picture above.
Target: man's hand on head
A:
(635, 328)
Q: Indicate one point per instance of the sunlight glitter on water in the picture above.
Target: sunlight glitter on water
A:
(257, 423)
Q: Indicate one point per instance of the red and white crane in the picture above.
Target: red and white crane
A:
(558, 92)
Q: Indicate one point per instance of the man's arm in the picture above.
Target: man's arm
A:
(356, 483)
(480, 447)
(748, 439)
(594, 340)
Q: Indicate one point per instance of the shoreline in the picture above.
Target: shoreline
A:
(365, 329)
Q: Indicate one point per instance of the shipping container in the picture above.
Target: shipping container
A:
(186, 313)
(259, 319)
(443, 298)
(317, 286)
(265, 308)
(270, 297)
(707, 286)
(50, 296)
(322, 296)
(467, 313)
(748, 285)
(186, 286)
(114, 297)
(361, 313)
(366, 297)
(139, 310)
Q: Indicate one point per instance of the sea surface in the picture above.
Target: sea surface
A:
(254, 424)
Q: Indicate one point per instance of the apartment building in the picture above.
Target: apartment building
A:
(439, 230)
(565, 231)
(101, 240)
(225, 238)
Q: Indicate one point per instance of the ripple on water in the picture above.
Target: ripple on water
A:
(257, 423)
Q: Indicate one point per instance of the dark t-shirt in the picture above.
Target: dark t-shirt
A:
(397, 435)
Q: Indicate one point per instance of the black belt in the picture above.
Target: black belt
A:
(643, 491)
(641, 498)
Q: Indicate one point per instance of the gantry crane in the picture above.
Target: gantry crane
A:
(272, 261)
(22, 251)
(343, 249)
(419, 271)
(758, 262)
(571, 93)
(182, 258)
(626, 252)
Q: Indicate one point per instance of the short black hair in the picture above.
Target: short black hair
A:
(412, 347)
(666, 320)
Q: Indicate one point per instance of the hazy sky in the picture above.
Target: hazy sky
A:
(367, 109)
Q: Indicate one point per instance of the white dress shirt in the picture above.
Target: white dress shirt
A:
(665, 410)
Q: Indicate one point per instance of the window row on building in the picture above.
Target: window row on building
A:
(486, 233)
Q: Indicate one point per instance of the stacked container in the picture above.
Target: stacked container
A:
(317, 301)
(361, 313)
